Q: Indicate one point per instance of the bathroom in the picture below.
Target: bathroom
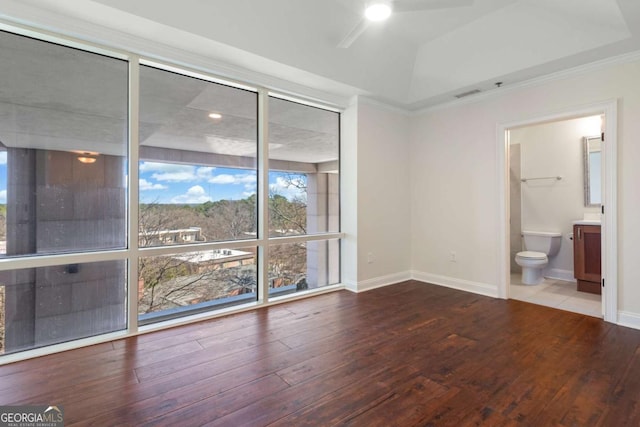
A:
(547, 194)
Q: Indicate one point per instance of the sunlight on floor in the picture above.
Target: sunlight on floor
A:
(557, 294)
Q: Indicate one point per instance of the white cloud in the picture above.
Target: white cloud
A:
(185, 176)
(3, 196)
(169, 172)
(172, 172)
(145, 185)
(3, 157)
(205, 172)
(288, 189)
(245, 178)
(223, 179)
(249, 178)
(195, 194)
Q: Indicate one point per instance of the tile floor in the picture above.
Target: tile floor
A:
(558, 294)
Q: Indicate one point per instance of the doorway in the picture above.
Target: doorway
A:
(547, 182)
(607, 213)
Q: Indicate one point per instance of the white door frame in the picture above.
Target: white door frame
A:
(609, 189)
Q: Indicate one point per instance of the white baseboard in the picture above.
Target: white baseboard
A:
(630, 320)
(460, 284)
(558, 274)
(378, 282)
(350, 285)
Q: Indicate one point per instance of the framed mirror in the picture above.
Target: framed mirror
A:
(592, 171)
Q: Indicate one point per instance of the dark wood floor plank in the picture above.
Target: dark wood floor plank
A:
(282, 327)
(624, 404)
(580, 402)
(405, 405)
(410, 354)
(348, 402)
(338, 356)
(93, 367)
(208, 358)
(106, 402)
(64, 357)
(457, 408)
(221, 404)
(193, 404)
(73, 392)
(275, 407)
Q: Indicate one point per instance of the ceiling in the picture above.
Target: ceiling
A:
(413, 60)
(59, 98)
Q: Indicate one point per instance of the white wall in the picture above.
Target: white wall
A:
(455, 176)
(349, 195)
(384, 219)
(555, 149)
(453, 202)
(375, 182)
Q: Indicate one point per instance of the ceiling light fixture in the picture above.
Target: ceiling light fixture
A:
(215, 116)
(87, 158)
(378, 11)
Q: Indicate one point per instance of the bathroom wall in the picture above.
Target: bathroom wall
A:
(554, 149)
(515, 205)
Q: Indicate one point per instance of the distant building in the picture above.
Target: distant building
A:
(170, 237)
(217, 258)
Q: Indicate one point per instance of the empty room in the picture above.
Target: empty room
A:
(303, 212)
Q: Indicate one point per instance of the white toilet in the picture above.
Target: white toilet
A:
(539, 247)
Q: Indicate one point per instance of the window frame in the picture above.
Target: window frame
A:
(133, 252)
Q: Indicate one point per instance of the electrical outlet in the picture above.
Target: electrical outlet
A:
(452, 256)
(370, 258)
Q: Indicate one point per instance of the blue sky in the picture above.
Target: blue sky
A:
(189, 184)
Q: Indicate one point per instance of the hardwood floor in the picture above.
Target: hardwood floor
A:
(403, 355)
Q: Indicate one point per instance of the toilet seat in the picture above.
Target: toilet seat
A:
(531, 255)
(532, 264)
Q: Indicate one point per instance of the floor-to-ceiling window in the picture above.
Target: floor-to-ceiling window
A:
(225, 195)
(63, 126)
(198, 145)
(303, 195)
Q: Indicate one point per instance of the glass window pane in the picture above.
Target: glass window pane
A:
(197, 171)
(62, 148)
(50, 305)
(180, 284)
(295, 267)
(304, 165)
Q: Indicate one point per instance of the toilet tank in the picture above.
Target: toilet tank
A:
(542, 241)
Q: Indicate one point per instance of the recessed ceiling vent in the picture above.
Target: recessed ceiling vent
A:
(471, 92)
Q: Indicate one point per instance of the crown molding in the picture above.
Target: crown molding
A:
(538, 81)
(384, 106)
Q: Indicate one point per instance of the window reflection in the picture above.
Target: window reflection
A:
(52, 201)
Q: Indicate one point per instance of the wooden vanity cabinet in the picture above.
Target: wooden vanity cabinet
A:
(587, 259)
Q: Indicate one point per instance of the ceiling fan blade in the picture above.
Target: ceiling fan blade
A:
(416, 5)
(354, 34)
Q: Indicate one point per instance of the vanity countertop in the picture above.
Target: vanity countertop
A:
(587, 222)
